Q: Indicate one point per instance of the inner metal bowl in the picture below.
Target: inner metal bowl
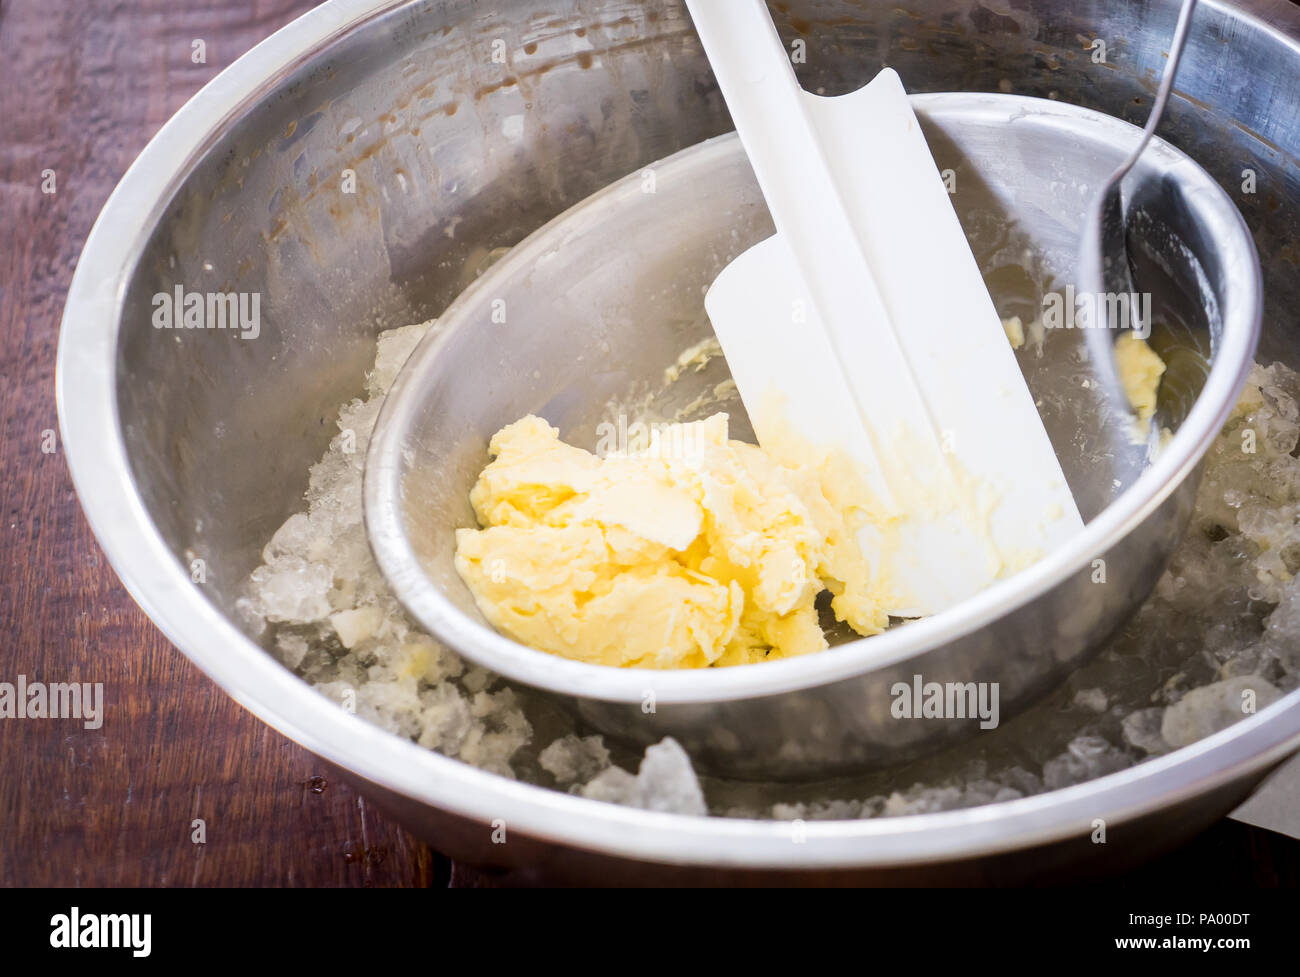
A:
(199, 448)
(603, 299)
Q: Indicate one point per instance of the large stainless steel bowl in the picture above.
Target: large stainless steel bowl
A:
(195, 445)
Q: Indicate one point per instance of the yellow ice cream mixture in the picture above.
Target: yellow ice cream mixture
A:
(1140, 369)
(696, 551)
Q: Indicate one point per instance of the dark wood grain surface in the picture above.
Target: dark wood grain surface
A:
(83, 85)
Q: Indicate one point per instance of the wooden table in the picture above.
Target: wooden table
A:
(83, 85)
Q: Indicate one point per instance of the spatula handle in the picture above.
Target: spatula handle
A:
(766, 103)
(781, 139)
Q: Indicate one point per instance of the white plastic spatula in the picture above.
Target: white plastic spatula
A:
(864, 324)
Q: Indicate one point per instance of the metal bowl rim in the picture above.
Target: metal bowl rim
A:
(427, 604)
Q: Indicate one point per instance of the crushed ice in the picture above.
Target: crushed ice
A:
(1221, 630)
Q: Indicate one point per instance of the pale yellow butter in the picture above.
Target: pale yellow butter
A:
(697, 551)
(1140, 369)
(1015, 331)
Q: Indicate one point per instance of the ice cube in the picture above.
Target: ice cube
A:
(293, 590)
(574, 759)
(668, 780)
(1207, 710)
(1142, 730)
(665, 782)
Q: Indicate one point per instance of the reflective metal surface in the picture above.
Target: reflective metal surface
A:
(1103, 249)
(196, 444)
(596, 300)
